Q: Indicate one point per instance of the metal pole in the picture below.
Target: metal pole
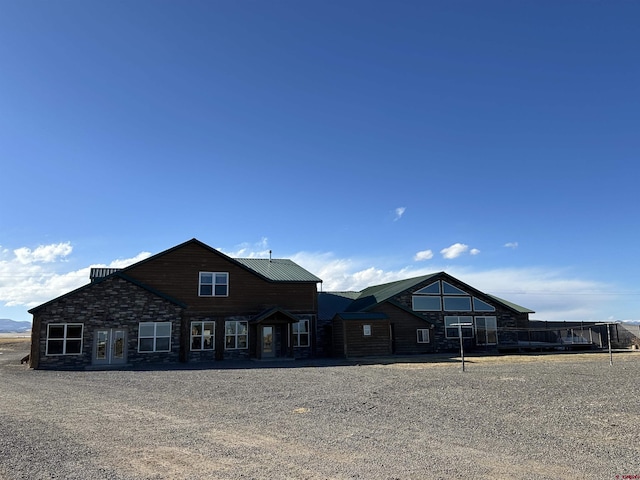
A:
(609, 338)
(461, 344)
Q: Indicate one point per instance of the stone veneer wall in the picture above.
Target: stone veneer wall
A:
(111, 303)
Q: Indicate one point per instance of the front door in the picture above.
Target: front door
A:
(110, 346)
(268, 343)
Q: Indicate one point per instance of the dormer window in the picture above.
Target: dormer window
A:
(213, 284)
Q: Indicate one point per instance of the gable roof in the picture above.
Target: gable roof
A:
(272, 270)
(377, 294)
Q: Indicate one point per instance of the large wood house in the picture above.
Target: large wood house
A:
(190, 303)
(418, 315)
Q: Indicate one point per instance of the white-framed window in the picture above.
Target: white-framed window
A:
(480, 306)
(486, 330)
(422, 303)
(64, 339)
(452, 329)
(457, 304)
(423, 335)
(213, 284)
(301, 333)
(366, 330)
(154, 337)
(236, 334)
(203, 335)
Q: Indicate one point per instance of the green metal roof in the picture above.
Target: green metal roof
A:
(379, 293)
(512, 305)
(278, 269)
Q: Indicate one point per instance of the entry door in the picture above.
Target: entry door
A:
(110, 347)
(268, 344)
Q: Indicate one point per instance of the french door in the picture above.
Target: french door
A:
(110, 346)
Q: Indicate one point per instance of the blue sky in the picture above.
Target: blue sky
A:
(367, 140)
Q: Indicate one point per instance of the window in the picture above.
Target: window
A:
(423, 335)
(154, 337)
(451, 290)
(452, 329)
(203, 335)
(236, 334)
(486, 331)
(213, 284)
(64, 339)
(433, 289)
(366, 330)
(301, 333)
(480, 306)
(426, 304)
(457, 304)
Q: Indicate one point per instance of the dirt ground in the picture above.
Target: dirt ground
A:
(524, 416)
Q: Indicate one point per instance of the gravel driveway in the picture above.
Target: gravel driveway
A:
(533, 417)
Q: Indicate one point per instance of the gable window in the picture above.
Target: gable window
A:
(452, 329)
(154, 337)
(236, 333)
(213, 284)
(203, 335)
(432, 289)
(457, 304)
(480, 306)
(366, 330)
(421, 303)
(486, 331)
(301, 333)
(64, 339)
(423, 335)
(449, 289)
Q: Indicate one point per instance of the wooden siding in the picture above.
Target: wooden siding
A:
(404, 326)
(176, 274)
(349, 340)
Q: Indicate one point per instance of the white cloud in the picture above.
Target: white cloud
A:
(513, 245)
(31, 277)
(423, 255)
(43, 253)
(399, 213)
(474, 251)
(258, 249)
(454, 251)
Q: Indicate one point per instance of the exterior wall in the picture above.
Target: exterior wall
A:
(404, 328)
(359, 345)
(111, 303)
(176, 273)
(507, 320)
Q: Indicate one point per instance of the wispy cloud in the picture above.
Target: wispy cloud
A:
(474, 251)
(259, 249)
(513, 245)
(42, 253)
(423, 255)
(399, 213)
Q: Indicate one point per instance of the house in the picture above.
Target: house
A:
(418, 315)
(190, 303)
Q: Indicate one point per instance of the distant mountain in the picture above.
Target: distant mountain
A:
(11, 326)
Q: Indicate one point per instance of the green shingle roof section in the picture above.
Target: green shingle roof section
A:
(278, 269)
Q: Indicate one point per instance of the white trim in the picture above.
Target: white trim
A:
(425, 333)
(202, 336)
(65, 338)
(214, 283)
(155, 336)
(236, 335)
(366, 330)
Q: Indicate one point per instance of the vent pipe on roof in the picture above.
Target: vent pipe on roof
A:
(269, 256)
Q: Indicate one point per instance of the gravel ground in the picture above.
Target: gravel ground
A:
(529, 417)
